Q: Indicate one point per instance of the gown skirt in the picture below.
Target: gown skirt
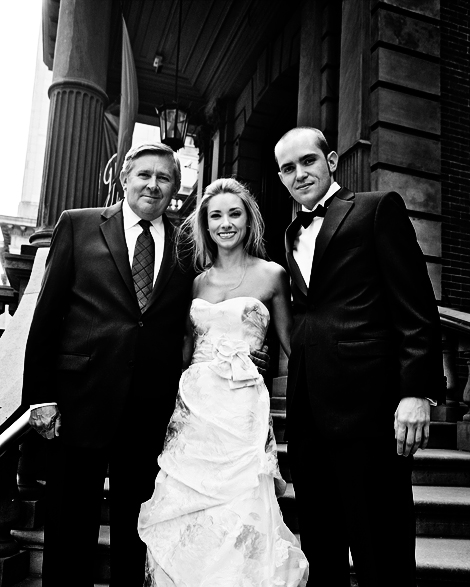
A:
(213, 519)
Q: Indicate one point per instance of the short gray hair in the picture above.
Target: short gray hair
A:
(152, 148)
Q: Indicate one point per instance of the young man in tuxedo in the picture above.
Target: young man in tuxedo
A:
(365, 366)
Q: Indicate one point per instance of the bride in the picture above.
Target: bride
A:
(214, 520)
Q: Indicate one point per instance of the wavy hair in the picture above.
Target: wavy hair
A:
(194, 234)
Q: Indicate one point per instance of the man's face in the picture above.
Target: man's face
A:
(304, 170)
(150, 185)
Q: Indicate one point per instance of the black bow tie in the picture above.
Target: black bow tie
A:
(307, 217)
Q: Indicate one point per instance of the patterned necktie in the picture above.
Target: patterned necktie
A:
(307, 217)
(143, 264)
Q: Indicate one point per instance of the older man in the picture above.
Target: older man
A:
(365, 358)
(102, 365)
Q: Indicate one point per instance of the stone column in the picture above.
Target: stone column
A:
(319, 67)
(354, 97)
(77, 94)
(405, 115)
(309, 109)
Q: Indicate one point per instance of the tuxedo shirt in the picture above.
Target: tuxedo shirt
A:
(304, 244)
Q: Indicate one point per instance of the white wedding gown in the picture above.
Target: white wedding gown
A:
(214, 520)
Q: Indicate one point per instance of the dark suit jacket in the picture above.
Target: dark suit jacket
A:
(89, 348)
(366, 331)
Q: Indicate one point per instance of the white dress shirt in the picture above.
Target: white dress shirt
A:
(132, 229)
(304, 243)
(131, 232)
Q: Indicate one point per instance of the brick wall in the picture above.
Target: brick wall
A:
(455, 142)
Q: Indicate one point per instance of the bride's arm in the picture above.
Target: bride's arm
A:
(281, 308)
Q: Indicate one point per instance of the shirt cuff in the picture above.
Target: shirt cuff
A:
(34, 406)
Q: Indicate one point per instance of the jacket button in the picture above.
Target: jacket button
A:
(141, 323)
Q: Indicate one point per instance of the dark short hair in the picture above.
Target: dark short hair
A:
(155, 149)
(322, 143)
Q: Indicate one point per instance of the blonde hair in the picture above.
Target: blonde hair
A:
(193, 232)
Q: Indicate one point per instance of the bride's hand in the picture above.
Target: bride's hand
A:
(261, 360)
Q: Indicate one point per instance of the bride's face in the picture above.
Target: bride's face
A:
(227, 220)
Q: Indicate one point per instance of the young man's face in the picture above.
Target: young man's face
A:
(304, 169)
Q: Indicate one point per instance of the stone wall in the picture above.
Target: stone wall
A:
(455, 142)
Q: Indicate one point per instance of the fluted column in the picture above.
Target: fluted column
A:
(77, 95)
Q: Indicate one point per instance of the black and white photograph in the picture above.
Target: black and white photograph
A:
(235, 293)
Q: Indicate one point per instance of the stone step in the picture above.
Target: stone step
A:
(279, 386)
(33, 541)
(278, 403)
(14, 568)
(279, 424)
(433, 466)
(442, 511)
(443, 435)
(37, 582)
(440, 562)
(283, 461)
(443, 467)
(443, 562)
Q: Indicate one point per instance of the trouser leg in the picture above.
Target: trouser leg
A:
(378, 500)
(132, 471)
(323, 537)
(74, 491)
(353, 494)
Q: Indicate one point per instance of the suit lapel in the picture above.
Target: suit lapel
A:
(294, 269)
(168, 263)
(113, 232)
(339, 208)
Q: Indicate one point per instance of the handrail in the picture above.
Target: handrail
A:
(455, 319)
(14, 432)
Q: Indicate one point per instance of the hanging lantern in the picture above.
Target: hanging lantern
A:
(173, 118)
(173, 125)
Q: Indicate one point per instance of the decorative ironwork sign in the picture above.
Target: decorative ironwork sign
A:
(110, 179)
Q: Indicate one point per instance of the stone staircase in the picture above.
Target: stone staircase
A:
(441, 486)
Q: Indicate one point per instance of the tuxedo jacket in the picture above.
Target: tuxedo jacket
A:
(366, 329)
(90, 349)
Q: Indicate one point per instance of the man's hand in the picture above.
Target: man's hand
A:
(261, 360)
(46, 421)
(412, 425)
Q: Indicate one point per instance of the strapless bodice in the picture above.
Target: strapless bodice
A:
(226, 332)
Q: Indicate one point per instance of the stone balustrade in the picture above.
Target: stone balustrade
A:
(456, 347)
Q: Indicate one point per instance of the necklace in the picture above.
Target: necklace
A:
(241, 280)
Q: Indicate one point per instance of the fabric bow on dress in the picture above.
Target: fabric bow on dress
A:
(231, 360)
